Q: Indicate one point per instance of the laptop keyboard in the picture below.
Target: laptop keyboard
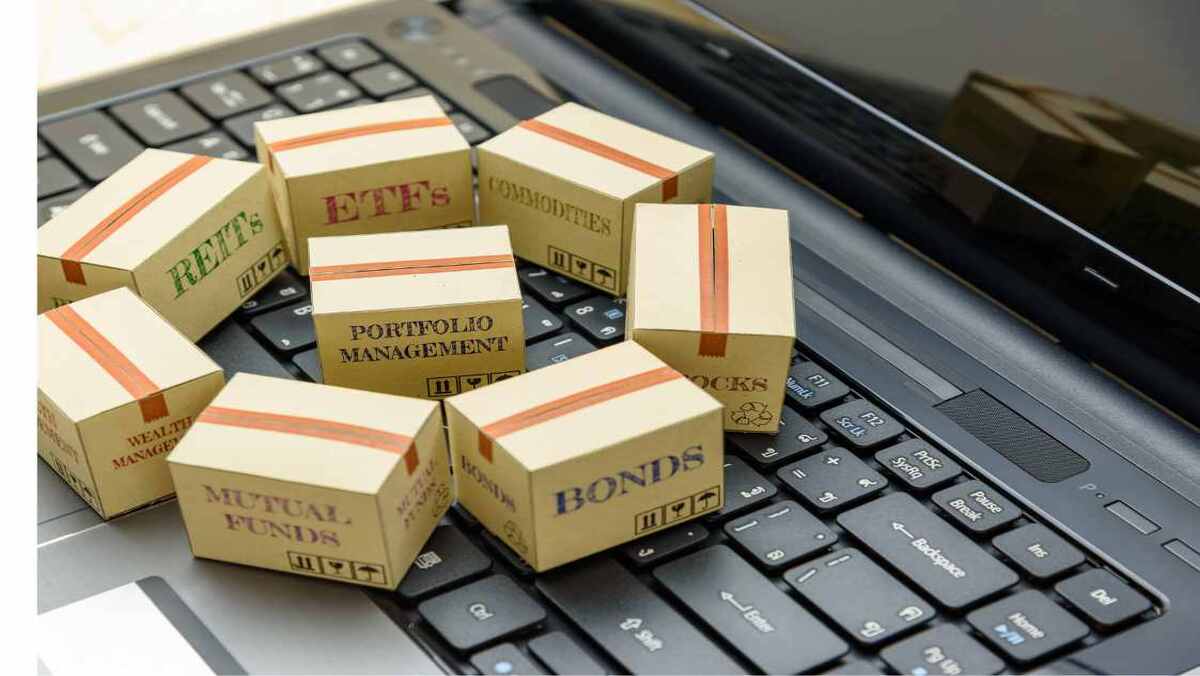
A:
(847, 543)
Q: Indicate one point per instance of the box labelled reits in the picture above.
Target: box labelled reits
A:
(194, 236)
(117, 388)
(572, 459)
(312, 479)
(566, 183)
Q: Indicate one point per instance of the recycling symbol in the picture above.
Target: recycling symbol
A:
(752, 413)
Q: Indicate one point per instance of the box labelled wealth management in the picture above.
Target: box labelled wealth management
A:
(584, 455)
(424, 314)
(312, 479)
(566, 182)
(194, 236)
(399, 165)
(711, 295)
(117, 388)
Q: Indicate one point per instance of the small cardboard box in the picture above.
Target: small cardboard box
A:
(423, 314)
(386, 167)
(566, 182)
(192, 235)
(312, 479)
(584, 455)
(117, 388)
(711, 294)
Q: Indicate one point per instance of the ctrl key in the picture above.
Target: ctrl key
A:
(1027, 626)
(482, 612)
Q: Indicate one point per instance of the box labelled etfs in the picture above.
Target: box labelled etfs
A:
(711, 295)
(566, 183)
(312, 479)
(117, 388)
(578, 457)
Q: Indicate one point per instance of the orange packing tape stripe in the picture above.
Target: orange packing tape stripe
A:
(713, 230)
(352, 132)
(73, 257)
(411, 267)
(670, 179)
(114, 362)
(571, 403)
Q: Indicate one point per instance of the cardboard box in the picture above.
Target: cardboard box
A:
(423, 314)
(386, 167)
(117, 388)
(566, 181)
(584, 455)
(312, 479)
(711, 294)
(192, 235)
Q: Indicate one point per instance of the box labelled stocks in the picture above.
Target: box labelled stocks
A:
(711, 295)
(386, 167)
(424, 314)
(581, 456)
(566, 182)
(194, 236)
(117, 388)
(311, 479)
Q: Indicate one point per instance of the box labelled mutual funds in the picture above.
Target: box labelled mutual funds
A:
(711, 295)
(313, 479)
(117, 388)
(424, 314)
(192, 235)
(566, 183)
(584, 455)
(399, 165)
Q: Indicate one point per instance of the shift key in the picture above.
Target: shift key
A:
(931, 553)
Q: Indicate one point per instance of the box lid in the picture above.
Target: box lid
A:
(1182, 185)
(596, 151)
(305, 433)
(594, 401)
(1050, 114)
(111, 349)
(140, 208)
(416, 269)
(712, 269)
(335, 140)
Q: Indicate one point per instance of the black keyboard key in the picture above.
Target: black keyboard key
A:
(601, 319)
(481, 612)
(54, 176)
(285, 288)
(43, 150)
(515, 95)
(318, 92)
(856, 668)
(286, 68)
(767, 627)
(832, 479)
(931, 553)
(744, 488)
(780, 534)
(471, 130)
(506, 660)
(556, 350)
(550, 288)
(1038, 551)
(213, 144)
(796, 436)
(236, 350)
(861, 423)
(349, 55)
(539, 322)
(513, 559)
(811, 387)
(1027, 626)
(289, 328)
(242, 126)
(383, 79)
(917, 464)
(52, 206)
(448, 560)
(945, 650)
(862, 598)
(161, 118)
(93, 143)
(638, 629)
(309, 363)
(976, 506)
(422, 91)
(228, 95)
(664, 544)
(563, 655)
(1103, 598)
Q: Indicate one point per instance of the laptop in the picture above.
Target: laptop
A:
(989, 461)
